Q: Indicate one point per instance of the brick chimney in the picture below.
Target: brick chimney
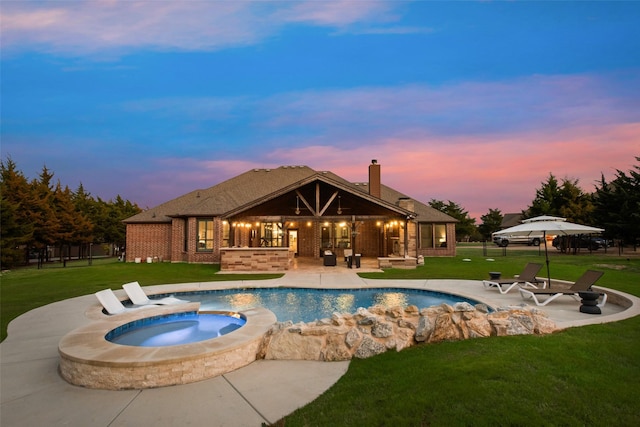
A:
(374, 179)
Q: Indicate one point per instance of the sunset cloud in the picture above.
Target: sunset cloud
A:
(94, 26)
(473, 102)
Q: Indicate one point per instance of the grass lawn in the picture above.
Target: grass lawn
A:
(24, 289)
(581, 376)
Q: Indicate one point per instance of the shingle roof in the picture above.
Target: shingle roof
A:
(257, 184)
(511, 219)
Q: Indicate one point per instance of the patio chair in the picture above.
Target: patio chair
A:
(111, 303)
(583, 284)
(139, 297)
(526, 278)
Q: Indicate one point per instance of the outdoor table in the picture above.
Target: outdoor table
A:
(589, 302)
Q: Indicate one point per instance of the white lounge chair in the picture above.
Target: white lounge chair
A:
(583, 284)
(139, 297)
(526, 278)
(111, 303)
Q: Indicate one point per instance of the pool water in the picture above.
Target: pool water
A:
(174, 329)
(307, 305)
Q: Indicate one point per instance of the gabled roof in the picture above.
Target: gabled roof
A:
(257, 186)
(511, 219)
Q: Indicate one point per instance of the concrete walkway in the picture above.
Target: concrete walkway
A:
(33, 394)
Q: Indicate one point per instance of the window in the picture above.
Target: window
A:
(426, 235)
(225, 234)
(343, 235)
(205, 235)
(271, 234)
(336, 235)
(440, 234)
(433, 235)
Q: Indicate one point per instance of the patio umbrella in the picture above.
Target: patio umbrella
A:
(551, 225)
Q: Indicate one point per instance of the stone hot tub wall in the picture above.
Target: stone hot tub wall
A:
(376, 330)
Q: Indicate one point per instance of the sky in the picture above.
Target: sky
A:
(471, 102)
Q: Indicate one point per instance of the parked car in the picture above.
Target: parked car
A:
(582, 242)
(505, 240)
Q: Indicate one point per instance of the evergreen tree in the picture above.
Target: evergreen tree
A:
(617, 205)
(36, 215)
(15, 231)
(74, 228)
(491, 223)
(42, 212)
(566, 200)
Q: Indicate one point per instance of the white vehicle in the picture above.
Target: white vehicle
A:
(505, 240)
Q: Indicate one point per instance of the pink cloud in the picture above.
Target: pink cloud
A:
(334, 13)
(481, 173)
(89, 27)
(477, 172)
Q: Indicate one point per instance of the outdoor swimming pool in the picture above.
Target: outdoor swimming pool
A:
(307, 305)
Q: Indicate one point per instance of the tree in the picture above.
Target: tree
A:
(491, 223)
(564, 199)
(466, 226)
(617, 205)
(42, 212)
(74, 227)
(109, 217)
(18, 225)
(36, 215)
(15, 231)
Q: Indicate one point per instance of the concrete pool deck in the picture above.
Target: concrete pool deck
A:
(33, 393)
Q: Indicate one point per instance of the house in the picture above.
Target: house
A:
(510, 220)
(294, 209)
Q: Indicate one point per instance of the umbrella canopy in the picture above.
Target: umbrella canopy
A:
(548, 225)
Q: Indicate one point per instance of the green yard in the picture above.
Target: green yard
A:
(581, 376)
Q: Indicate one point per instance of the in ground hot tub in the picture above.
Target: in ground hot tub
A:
(87, 359)
(176, 329)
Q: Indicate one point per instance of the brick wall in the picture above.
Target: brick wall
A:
(178, 230)
(167, 241)
(148, 240)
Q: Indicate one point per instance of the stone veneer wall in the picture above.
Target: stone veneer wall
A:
(87, 359)
(173, 372)
(254, 259)
(376, 330)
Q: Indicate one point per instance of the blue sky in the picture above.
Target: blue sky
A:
(474, 102)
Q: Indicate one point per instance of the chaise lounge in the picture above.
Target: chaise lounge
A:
(583, 284)
(526, 278)
(112, 304)
(139, 297)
